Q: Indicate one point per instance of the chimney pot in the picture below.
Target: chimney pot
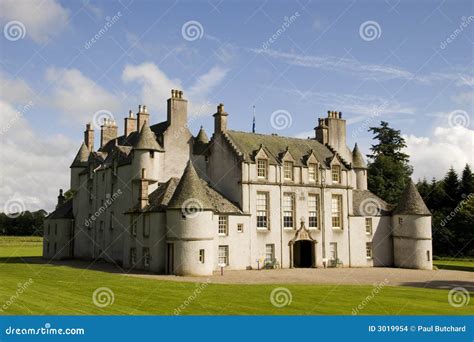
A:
(340, 115)
(130, 113)
(145, 110)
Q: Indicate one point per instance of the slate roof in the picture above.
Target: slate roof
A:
(195, 191)
(357, 159)
(366, 203)
(147, 140)
(246, 144)
(411, 202)
(81, 157)
(64, 211)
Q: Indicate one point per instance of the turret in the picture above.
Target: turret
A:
(360, 168)
(78, 164)
(411, 221)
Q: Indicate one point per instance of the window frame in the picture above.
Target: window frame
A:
(367, 225)
(314, 167)
(146, 257)
(223, 222)
(146, 225)
(240, 227)
(291, 195)
(272, 247)
(225, 248)
(264, 169)
(202, 256)
(266, 221)
(133, 256)
(336, 170)
(369, 250)
(316, 211)
(339, 212)
(288, 167)
(133, 226)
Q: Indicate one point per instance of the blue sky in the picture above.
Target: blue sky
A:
(243, 54)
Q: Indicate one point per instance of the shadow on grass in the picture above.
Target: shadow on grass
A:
(442, 284)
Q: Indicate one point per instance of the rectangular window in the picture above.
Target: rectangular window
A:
(240, 228)
(368, 250)
(368, 225)
(146, 256)
(336, 174)
(223, 255)
(133, 256)
(313, 210)
(146, 225)
(56, 229)
(333, 250)
(428, 256)
(101, 225)
(111, 220)
(270, 252)
(288, 170)
(223, 225)
(262, 209)
(262, 166)
(336, 211)
(400, 220)
(288, 210)
(47, 230)
(313, 173)
(152, 154)
(201, 256)
(134, 226)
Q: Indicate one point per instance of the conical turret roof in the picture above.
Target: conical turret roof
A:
(81, 157)
(147, 140)
(202, 136)
(411, 202)
(191, 192)
(357, 159)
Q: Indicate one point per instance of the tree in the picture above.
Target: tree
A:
(388, 166)
(467, 182)
(451, 189)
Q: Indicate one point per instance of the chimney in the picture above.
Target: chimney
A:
(89, 137)
(336, 133)
(177, 113)
(142, 117)
(220, 119)
(108, 132)
(60, 198)
(143, 190)
(130, 124)
(321, 131)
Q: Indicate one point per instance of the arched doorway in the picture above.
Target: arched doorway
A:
(303, 254)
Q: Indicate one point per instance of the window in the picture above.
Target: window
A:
(288, 210)
(55, 248)
(134, 226)
(222, 225)
(400, 220)
(262, 166)
(336, 211)
(101, 225)
(288, 170)
(240, 228)
(47, 230)
(201, 256)
(428, 256)
(146, 256)
(270, 252)
(313, 210)
(146, 225)
(133, 256)
(152, 154)
(368, 225)
(313, 172)
(111, 220)
(223, 255)
(368, 250)
(262, 210)
(56, 229)
(336, 174)
(333, 251)
(47, 248)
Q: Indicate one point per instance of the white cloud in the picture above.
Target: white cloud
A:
(15, 90)
(156, 86)
(77, 97)
(433, 156)
(42, 19)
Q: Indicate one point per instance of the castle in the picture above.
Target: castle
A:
(158, 198)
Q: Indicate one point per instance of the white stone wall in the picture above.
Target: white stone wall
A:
(57, 238)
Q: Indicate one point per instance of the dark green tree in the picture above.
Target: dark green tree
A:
(389, 168)
(467, 182)
(451, 196)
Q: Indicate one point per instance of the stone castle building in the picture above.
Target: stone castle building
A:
(158, 198)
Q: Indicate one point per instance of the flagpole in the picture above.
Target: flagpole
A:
(253, 124)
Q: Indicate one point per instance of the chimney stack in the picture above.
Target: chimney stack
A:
(130, 124)
(143, 116)
(108, 132)
(60, 198)
(89, 137)
(177, 113)
(220, 119)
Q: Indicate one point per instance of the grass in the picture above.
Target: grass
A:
(64, 290)
(455, 264)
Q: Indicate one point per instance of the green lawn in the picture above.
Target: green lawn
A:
(455, 264)
(66, 290)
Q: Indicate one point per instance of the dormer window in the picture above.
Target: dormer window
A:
(262, 168)
(313, 172)
(288, 170)
(336, 174)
